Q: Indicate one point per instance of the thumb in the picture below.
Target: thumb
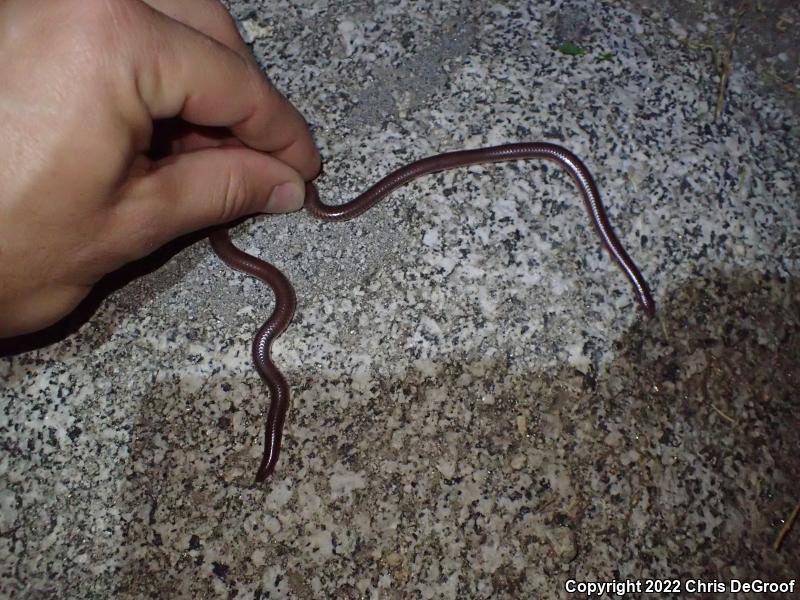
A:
(193, 190)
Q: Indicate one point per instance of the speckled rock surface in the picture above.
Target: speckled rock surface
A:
(479, 409)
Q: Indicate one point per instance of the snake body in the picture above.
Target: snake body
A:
(286, 301)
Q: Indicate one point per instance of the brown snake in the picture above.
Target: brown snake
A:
(286, 301)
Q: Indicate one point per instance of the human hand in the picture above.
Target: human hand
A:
(82, 83)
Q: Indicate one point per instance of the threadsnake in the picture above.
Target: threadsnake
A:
(286, 301)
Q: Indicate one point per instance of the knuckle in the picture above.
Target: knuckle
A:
(235, 195)
(104, 21)
(94, 33)
(133, 229)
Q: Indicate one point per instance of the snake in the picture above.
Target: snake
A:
(286, 300)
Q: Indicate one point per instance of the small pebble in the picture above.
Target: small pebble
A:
(563, 542)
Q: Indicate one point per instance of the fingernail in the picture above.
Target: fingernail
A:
(286, 197)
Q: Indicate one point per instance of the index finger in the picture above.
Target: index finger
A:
(182, 72)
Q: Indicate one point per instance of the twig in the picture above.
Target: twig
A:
(724, 416)
(723, 59)
(787, 526)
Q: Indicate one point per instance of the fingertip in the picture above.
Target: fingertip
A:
(285, 197)
(303, 156)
